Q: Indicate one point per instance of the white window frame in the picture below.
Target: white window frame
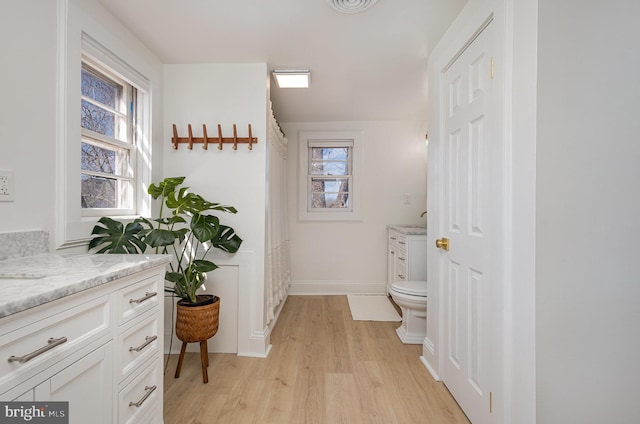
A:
(309, 139)
(129, 94)
(73, 227)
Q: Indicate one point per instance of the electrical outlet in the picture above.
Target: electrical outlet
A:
(6, 186)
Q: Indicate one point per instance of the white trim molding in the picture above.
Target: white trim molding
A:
(61, 240)
(75, 37)
(253, 335)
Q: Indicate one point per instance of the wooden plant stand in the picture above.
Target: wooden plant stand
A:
(197, 324)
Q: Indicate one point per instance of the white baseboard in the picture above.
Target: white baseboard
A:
(427, 345)
(256, 355)
(429, 353)
(429, 368)
(259, 345)
(262, 343)
(333, 287)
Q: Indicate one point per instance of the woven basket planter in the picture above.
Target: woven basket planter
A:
(197, 323)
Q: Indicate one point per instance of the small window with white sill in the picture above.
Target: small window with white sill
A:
(329, 161)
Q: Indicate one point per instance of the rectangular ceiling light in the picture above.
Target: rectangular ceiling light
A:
(292, 79)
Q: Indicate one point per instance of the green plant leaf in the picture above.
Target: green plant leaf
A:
(203, 266)
(206, 205)
(174, 277)
(204, 227)
(185, 202)
(165, 187)
(226, 239)
(159, 237)
(174, 219)
(115, 237)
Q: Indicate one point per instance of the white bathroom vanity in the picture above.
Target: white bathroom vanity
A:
(87, 330)
(406, 254)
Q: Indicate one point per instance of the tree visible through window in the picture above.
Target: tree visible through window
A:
(107, 120)
(330, 175)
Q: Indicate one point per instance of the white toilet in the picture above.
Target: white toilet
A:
(411, 296)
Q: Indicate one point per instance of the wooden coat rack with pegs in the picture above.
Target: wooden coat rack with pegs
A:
(206, 140)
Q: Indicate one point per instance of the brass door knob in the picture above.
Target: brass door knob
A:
(443, 243)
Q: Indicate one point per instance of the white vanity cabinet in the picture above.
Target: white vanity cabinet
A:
(139, 353)
(100, 349)
(88, 382)
(406, 254)
(78, 365)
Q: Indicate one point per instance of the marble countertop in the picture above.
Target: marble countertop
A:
(33, 280)
(409, 229)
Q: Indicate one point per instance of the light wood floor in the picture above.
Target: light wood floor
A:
(323, 368)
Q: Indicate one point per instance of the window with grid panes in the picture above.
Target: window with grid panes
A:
(330, 166)
(330, 175)
(108, 154)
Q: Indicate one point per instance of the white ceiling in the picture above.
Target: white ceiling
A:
(366, 66)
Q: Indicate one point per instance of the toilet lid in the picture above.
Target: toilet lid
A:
(415, 288)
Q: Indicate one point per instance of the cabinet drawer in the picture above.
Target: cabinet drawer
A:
(136, 299)
(400, 267)
(398, 240)
(137, 344)
(34, 347)
(87, 384)
(139, 399)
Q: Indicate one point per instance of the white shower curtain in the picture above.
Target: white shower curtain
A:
(278, 272)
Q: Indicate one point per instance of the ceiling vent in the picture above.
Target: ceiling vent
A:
(351, 6)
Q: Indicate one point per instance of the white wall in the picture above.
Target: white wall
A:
(28, 118)
(351, 257)
(520, 402)
(27, 114)
(226, 94)
(587, 291)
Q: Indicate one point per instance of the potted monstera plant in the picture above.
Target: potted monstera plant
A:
(187, 228)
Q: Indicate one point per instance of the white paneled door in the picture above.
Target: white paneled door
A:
(469, 273)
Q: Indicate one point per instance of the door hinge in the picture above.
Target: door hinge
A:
(492, 68)
(491, 402)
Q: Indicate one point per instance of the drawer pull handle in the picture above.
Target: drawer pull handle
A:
(51, 343)
(147, 341)
(393, 238)
(401, 242)
(147, 296)
(401, 258)
(400, 276)
(149, 390)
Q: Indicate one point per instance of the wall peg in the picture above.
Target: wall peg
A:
(235, 138)
(205, 146)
